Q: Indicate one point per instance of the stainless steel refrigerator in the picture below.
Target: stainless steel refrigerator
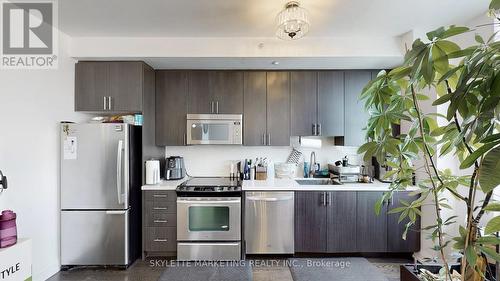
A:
(100, 194)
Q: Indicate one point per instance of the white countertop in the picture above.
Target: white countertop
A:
(284, 185)
(164, 185)
(292, 185)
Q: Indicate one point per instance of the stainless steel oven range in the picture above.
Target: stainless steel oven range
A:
(209, 219)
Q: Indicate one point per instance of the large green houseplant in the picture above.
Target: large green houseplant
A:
(468, 82)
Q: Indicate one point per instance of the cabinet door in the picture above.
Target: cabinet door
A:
(331, 103)
(341, 217)
(227, 90)
(356, 117)
(254, 110)
(278, 108)
(395, 230)
(310, 222)
(171, 100)
(371, 234)
(303, 102)
(125, 86)
(91, 86)
(199, 96)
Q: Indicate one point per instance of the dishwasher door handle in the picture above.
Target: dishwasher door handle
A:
(269, 199)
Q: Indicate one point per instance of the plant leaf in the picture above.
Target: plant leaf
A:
(495, 5)
(470, 255)
(478, 153)
(493, 207)
(489, 172)
(492, 226)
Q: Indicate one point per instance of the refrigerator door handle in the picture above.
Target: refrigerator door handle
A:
(119, 171)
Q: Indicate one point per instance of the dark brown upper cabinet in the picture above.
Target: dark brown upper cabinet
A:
(266, 109)
(278, 109)
(109, 86)
(317, 103)
(255, 108)
(356, 117)
(91, 86)
(330, 103)
(125, 86)
(304, 102)
(227, 91)
(199, 96)
(215, 92)
(171, 107)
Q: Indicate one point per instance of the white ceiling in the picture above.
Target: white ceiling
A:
(238, 18)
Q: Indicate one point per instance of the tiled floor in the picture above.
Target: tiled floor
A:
(143, 271)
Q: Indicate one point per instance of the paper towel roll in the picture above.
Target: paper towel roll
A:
(310, 142)
(152, 171)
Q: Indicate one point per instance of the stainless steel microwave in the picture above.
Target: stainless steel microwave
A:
(214, 128)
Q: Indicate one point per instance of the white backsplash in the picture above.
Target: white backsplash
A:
(215, 160)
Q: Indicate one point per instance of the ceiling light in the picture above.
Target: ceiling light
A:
(293, 22)
(275, 62)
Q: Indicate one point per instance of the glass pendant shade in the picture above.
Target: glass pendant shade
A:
(293, 22)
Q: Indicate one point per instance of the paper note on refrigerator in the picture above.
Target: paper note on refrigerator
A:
(70, 148)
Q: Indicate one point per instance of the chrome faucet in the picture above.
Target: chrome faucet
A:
(312, 165)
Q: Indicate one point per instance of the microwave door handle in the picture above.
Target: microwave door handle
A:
(119, 171)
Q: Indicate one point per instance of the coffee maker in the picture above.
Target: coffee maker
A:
(175, 169)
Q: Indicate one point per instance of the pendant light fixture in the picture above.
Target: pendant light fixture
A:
(293, 22)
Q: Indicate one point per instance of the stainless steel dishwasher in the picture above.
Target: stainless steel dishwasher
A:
(269, 222)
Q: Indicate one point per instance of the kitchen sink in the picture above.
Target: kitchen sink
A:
(317, 182)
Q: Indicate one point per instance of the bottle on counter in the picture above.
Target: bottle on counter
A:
(252, 172)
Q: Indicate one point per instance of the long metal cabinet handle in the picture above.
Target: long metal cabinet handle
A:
(160, 240)
(318, 130)
(159, 196)
(109, 103)
(119, 171)
(159, 208)
(263, 139)
(269, 139)
(330, 198)
(211, 107)
(322, 200)
(160, 221)
(104, 106)
(314, 130)
(217, 107)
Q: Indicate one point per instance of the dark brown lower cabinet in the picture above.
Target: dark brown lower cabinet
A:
(310, 222)
(371, 233)
(345, 222)
(159, 220)
(395, 230)
(341, 226)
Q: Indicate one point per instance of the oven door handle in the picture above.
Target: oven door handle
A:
(216, 202)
